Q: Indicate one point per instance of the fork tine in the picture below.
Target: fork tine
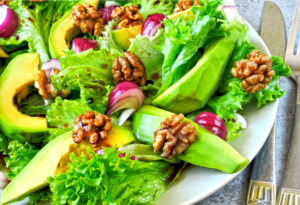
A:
(290, 47)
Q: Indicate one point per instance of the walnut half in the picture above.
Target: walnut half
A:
(46, 89)
(129, 16)
(91, 127)
(254, 72)
(86, 17)
(173, 137)
(183, 5)
(130, 68)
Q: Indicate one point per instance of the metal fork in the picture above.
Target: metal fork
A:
(289, 193)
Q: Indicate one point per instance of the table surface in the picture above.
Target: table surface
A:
(235, 192)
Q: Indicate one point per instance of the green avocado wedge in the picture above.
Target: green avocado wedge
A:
(207, 151)
(53, 159)
(14, 82)
(193, 91)
(63, 32)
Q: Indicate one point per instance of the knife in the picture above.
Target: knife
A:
(262, 185)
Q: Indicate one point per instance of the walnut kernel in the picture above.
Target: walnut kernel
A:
(183, 5)
(129, 16)
(254, 72)
(87, 18)
(130, 68)
(45, 87)
(173, 137)
(91, 127)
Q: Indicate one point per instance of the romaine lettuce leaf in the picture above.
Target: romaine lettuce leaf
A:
(205, 23)
(149, 7)
(108, 179)
(177, 34)
(63, 113)
(19, 156)
(143, 47)
(226, 105)
(28, 31)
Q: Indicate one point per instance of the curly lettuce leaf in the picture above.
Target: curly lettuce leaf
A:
(4, 142)
(226, 105)
(41, 195)
(279, 66)
(143, 47)
(28, 32)
(270, 93)
(149, 7)
(33, 110)
(106, 41)
(150, 91)
(108, 179)
(99, 59)
(63, 113)
(96, 97)
(19, 155)
(233, 130)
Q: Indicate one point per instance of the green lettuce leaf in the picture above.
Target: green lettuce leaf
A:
(4, 142)
(106, 41)
(279, 66)
(96, 97)
(28, 31)
(149, 7)
(52, 134)
(232, 130)
(108, 179)
(33, 110)
(41, 195)
(270, 93)
(226, 105)
(143, 47)
(63, 113)
(177, 34)
(204, 24)
(150, 91)
(19, 155)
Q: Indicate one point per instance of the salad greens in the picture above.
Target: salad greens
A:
(187, 62)
(109, 179)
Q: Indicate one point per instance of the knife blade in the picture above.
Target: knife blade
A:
(262, 185)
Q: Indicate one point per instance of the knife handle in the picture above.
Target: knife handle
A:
(289, 192)
(262, 187)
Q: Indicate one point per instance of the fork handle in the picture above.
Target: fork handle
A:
(289, 192)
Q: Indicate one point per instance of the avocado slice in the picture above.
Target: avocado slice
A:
(122, 36)
(53, 159)
(63, 32)
(14, 81)
(207, 151)
(193, 91)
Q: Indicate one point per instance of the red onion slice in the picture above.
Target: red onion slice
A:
(83, 44)
(152, 24)
(50, 65)
(8, 21)
(3, 180)
(231, 12)
(124, 95)
(212, 123)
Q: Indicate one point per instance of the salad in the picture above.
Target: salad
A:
(107, 102)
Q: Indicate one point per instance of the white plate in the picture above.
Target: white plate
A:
(197, 183)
